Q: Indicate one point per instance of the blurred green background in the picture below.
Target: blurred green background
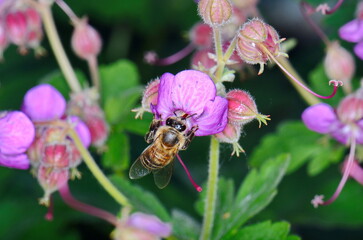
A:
(129, 28)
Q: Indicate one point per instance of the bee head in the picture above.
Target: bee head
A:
(176, 123)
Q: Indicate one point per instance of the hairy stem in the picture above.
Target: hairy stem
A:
(219, 53)
(60, 55)
(212, 187)
(96, 171)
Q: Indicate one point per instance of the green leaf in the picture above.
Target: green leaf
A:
(117, 155)
(141, 199)
(184, 226)
(118, 106)
(256, 192)
(325, 155)
(57, 80)
(137, 126)
(291, 137)
(118, 77)
(225, 197)
(264, 231)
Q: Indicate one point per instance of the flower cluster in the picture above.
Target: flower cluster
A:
(21, 25)
(345, 124)
(53, 154)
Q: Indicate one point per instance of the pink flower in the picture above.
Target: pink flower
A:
(16, 135)
(193, 93)
(345, 125)
(353, 32)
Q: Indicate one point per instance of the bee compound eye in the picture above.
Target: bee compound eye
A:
(180, 127)
(169, 122)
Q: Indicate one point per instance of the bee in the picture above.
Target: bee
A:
(165, 143)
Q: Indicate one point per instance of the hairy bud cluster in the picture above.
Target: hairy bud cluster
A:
(242, 109)
(85, 105)
(22, 27)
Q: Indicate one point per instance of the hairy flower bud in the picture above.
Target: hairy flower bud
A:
(339, 64)
(257, 42)
(230, 134)
(56, 155)
(86, 42)
(215, 12)
(149, 97)
(350, 109)
(201, 35)
(17, 28)
(51, 179)
(241, 107)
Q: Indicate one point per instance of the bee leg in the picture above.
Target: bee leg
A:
(189, 137)
(149, 136)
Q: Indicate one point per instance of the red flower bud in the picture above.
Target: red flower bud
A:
(350, 109)
(17, 28)
(230, 134)
(51, 179)
(86, 42)
(201, 35)
(150, 96)
(215, 12)
(56, 156)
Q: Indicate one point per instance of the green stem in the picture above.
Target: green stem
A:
(212, 187)
(95, 76)
(96, 171)
(64, 64)
(219, 53)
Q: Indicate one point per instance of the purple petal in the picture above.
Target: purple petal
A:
(356, 172)
(19, 161)
(214, 118)
(341, 132)
(164, 106)
(359, 136)
(358, 50)
(319, 118)
(82, 130)
(191, 91)
(150, 224)
(352, 31)
(44, 103)
(16, 133)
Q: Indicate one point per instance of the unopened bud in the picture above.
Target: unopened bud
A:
(33, 18)
(215, 12)
(230, 134)
(149, 97)
(257, 42)
(339, 64)
(51, 179)
(201, 35)
(86, 42)
(17, 28)
(4, 42)
(56, 156)
(241, 107)
(350, 109)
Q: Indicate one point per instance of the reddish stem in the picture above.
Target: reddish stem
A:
(153, 59)
(196, 186)
(82, 207)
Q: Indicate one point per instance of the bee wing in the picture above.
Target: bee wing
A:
(163, 175)
(137, 170)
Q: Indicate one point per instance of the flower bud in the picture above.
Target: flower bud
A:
(85, 106)
(230, 134)
(350, 109)
(339, 64)
(86, 42)
(215, 12)
(201, 35)
(241, 107)
(51, 179)
(17, 28)
(202, 61)
(4, 42)
(56, 156)
(149, 97)
(257, 41)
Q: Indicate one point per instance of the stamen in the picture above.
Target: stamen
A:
(335, 82)
(153, 59)
(50, 214)
(318, 200)
(325, 9)
(82, 207)
(196, 186)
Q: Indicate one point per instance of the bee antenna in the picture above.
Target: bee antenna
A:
(196, 186)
